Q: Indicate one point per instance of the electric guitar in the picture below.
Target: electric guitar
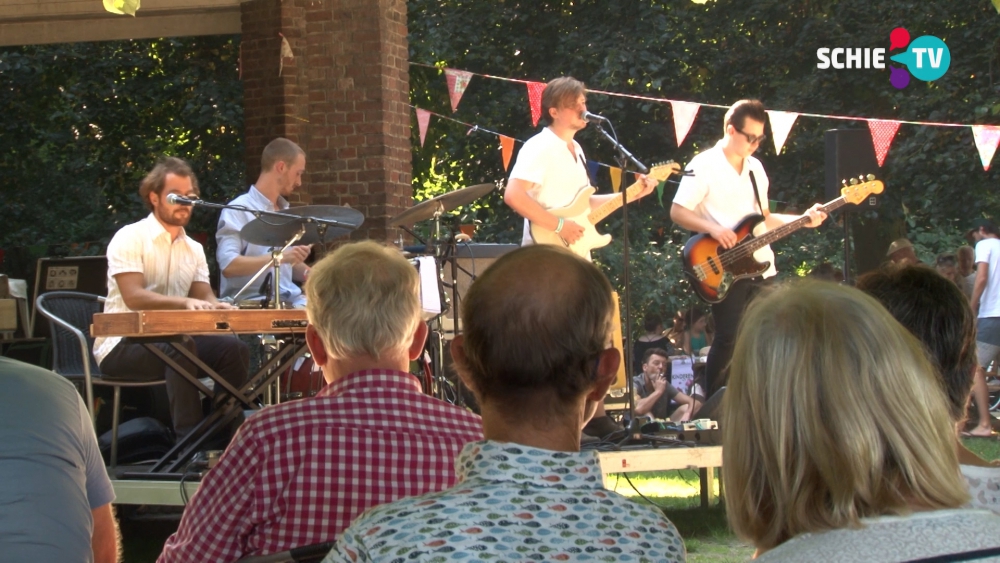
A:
(712, 269)
(580, 213)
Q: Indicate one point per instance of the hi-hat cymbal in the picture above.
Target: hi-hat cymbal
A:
(445, 202)
(277, 231)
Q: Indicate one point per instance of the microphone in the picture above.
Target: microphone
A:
(175, 199)
(588, 117)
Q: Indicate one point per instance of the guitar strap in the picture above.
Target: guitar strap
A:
(753, 182)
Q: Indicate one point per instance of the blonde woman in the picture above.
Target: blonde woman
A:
(845, 451)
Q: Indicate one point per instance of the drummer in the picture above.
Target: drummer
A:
(281, 167)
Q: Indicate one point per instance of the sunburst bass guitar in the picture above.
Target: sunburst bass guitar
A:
(580, 213)
(712, 269)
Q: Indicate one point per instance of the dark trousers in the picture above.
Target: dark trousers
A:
(226, 355)
(726, 316)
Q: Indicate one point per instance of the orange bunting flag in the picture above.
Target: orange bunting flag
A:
(423, 118)
(458, 81)
(987, 137)
(616, 178)
(507, 149)
(535, 100)
(781, 124)
(883, 132)
(684, 114)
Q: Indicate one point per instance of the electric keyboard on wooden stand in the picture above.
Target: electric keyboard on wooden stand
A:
(151, 327)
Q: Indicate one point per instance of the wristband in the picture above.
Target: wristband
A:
(560, 225)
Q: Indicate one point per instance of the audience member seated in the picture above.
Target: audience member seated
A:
(901, 253)
(526, 493)
(655, 337)
(55, 503)
(967, 268)
(937, 313)
(696, 336)
(297, 473)
(827, 272)
(845, 450)
(655, 396)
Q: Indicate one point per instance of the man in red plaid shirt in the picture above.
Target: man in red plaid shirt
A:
(296, 474)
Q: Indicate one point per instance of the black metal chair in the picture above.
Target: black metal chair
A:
(70, 314)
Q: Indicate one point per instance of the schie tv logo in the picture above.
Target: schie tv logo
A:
(927, 58)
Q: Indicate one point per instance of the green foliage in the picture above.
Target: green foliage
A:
(716, 53)
(84, 122)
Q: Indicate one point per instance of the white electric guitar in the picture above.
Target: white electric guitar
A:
(580, 213)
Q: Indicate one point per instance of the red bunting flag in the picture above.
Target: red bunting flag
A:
(684, 114)
(987, 137)
(883, 132)
(423, 118)
(458, 81)
(781, 124)
(535, 99)
(506, 149)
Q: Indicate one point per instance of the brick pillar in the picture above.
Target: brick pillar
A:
(342, 98)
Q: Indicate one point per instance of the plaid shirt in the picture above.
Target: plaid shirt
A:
(297, 473)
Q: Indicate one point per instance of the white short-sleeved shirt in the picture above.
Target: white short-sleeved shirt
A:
(169, 267)
(545, 160)
(718, 193)
(988, 251)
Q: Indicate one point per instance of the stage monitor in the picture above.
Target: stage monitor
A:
(86, 274)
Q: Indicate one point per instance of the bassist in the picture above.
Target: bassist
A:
(719, 194)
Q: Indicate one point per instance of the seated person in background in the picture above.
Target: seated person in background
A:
(281, 166)
(901, 253)
(844, 449)
(827, 272)
(55, 503)
(967, 268)
(526, 493)
(297, 473)
(152, 265)
(654, 338)
(676, 333)
(655, 394)
(946, 264)
(696, 336)
(937, 313)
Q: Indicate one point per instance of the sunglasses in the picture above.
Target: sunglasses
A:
(752, 139)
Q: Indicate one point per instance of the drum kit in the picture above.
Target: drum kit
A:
(320, 224)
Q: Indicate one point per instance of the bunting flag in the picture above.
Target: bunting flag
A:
(286, 53)
(535, 100)
(684, 114)
(883, 132)
(423, 118)
(592, 171)
(781, 124)
(506, 149)
(987, 137)
(458, 81)
(616, 178)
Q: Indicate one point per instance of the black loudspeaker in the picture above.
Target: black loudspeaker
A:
(86, 274)
(472, 258)
(849, 154)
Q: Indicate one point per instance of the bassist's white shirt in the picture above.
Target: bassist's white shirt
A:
(717, 193)
(546, 161)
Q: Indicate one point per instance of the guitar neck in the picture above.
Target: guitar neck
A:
(609, 207)
(789, 228)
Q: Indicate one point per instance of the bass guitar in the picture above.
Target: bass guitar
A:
(712, 269)
(580, 213)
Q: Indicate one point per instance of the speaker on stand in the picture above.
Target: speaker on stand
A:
(849, 154)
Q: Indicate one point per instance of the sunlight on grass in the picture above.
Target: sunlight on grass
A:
(679, 483)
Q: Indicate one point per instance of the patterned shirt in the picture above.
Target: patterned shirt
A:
(514, 503)
(169, 267)
(297, 473)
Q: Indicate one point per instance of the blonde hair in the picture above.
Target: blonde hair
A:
(364, 299)
(838, 415)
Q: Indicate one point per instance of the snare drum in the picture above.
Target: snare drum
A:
(304, 379)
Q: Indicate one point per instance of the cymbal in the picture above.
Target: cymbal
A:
(445, 202)
(277, 231)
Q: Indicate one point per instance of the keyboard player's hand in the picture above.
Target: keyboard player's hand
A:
(192, 304)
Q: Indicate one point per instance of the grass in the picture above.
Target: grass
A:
(705, 531)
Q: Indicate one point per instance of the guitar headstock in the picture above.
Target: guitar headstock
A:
(663, 170)
(858, 189)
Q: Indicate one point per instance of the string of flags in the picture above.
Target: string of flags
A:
(883, 131)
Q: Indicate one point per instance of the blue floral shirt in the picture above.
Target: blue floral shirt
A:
(514, 503)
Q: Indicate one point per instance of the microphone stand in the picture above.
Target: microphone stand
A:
(624, 158)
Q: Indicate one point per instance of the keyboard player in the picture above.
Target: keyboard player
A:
(153, 265)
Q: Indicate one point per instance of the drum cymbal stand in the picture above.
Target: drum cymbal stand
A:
(275, 266)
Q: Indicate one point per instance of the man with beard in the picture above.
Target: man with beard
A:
(153, 264)
(281, 166)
